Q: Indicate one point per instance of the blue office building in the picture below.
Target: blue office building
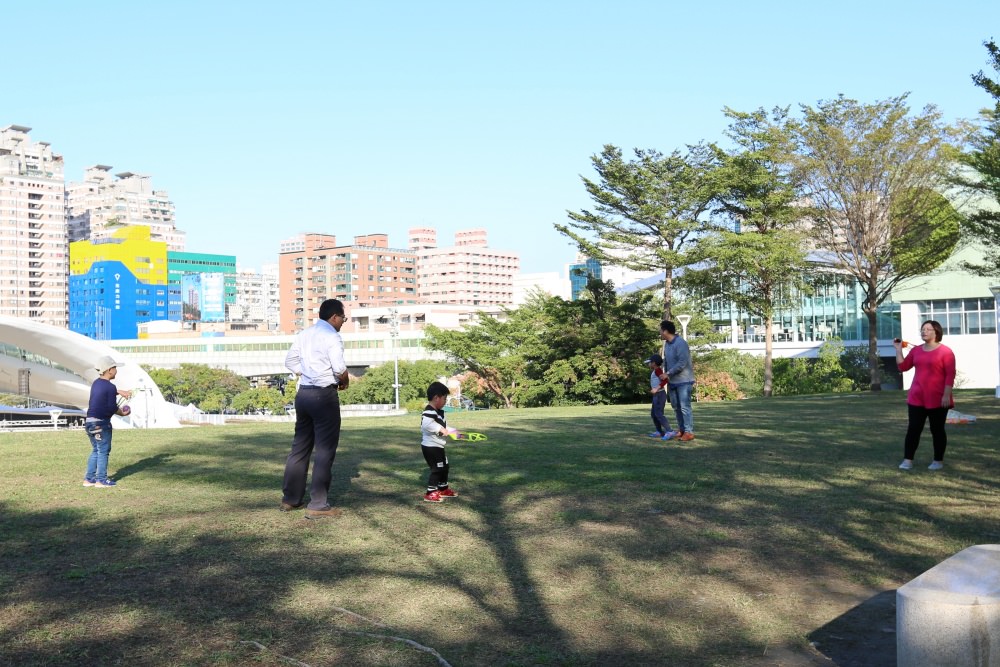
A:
(579, 274)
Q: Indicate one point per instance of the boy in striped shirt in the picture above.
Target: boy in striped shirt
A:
(434, 429)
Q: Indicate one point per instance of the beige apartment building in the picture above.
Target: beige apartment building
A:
(364, 274)
(34, 252)
(103, 203)
(468, 273)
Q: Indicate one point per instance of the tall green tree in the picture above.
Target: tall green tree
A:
(499, 350)
(872, 174)
(760, 258)
(648, 211)
(595, 346)
(983, 157)
(555, 352)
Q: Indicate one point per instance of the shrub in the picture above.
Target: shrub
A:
(854, 361)
(716, 385)
(259, 400)
(746, 370)
(14, 400)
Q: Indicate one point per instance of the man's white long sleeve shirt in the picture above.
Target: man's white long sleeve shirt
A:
(317, 356)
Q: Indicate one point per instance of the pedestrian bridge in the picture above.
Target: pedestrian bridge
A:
(255, 356)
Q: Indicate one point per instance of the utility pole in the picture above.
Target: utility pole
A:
(394, 334)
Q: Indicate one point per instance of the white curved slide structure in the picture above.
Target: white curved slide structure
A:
(78, 354)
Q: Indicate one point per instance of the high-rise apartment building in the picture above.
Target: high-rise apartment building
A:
(468, 273)
(34, 254)
(366, 273)
(422, 238)
(102, 204)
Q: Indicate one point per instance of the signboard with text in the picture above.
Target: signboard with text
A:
(203, 296)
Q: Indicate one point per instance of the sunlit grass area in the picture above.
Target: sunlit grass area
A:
(575, 541)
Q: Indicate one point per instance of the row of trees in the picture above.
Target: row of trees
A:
(855, 185)
(845, 187)
(540, 377)
(555, 352)
(216, 390)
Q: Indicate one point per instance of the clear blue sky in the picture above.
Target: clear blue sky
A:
(266, 119)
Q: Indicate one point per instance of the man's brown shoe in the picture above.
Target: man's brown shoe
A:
(287, 507)
(687, 436)
(322, 514)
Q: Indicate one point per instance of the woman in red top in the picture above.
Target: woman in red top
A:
(930, 394)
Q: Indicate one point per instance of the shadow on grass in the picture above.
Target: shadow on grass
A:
(576, 541)
(149, 590)
(864, 636)
(142, 465)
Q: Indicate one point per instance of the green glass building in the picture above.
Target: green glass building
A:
(180, 264)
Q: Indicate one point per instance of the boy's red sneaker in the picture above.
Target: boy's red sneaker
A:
(433, 497)
(447, 493)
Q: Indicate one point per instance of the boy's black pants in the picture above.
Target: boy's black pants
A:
(437, 460)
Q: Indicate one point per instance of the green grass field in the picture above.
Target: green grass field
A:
(576, 540)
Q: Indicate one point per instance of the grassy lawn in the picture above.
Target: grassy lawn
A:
(576, 541)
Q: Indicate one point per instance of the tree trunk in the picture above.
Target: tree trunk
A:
(668, 289)
(874, 364)
(768, 358)
(497, 387)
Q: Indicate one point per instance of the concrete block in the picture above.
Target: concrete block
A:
(949, 616)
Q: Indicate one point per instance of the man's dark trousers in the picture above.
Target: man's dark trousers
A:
(317, 429)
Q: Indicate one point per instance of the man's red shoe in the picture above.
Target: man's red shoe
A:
(447, 493)
(433, 497)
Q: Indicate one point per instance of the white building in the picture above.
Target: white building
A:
(295, 243)
(257, 298)
(967, 311)
(622, 276)
(100, 204)
(34, 252)
(467, 273)
(548, 282)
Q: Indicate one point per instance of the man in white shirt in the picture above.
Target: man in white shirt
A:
(317, 358)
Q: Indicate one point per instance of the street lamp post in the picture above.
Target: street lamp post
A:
(394, 334)
(145, 404)
(995, 289)
(54, 416)
(684, 319)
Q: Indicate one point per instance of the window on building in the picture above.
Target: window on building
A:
(962, 316)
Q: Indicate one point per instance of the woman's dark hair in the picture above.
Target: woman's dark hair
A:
(938, 331)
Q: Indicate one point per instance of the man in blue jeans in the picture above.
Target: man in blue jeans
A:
(680, 373)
